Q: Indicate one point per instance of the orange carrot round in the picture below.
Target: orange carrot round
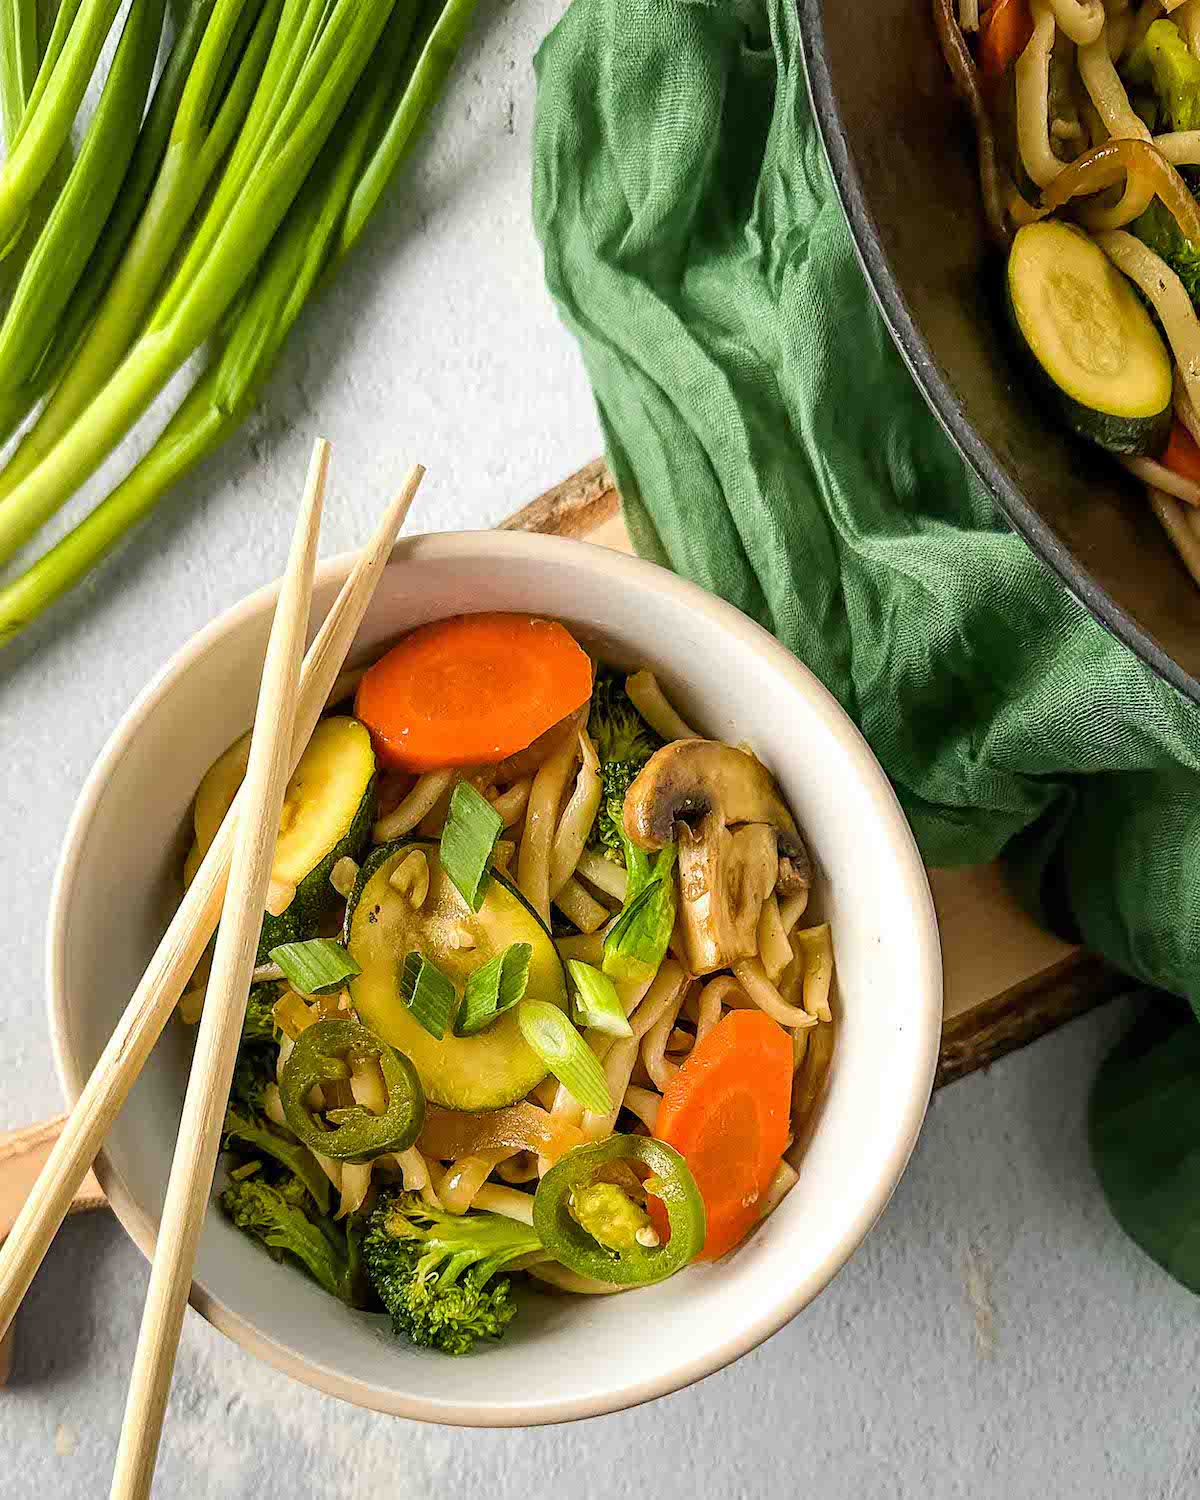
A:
(471, 690)
(1182, 456)
(727, 1113)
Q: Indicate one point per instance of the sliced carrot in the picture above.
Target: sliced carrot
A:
(1004, 32)
(471, 690)
(727, 1113)
(1182, 456)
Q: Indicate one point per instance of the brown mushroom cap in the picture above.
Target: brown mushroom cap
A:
(687, 779)
(737, 842)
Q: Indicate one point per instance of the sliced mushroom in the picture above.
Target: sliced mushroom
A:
(737, 842)
(725, 875)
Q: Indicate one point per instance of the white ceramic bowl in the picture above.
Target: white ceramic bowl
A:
(563, 1357)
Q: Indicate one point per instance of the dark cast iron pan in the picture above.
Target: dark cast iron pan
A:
(903, 160)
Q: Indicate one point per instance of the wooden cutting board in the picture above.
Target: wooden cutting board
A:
(1006, 981)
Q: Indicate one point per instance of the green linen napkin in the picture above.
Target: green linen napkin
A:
(769, 443)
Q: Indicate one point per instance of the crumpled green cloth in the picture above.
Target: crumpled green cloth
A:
(769, 443)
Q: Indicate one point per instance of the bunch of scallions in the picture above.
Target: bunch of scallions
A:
(207, 197)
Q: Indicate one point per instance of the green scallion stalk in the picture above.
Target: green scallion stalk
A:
(637, 941)
(494, 987)
(468, 842)
(198, 141)
(318, 966)
(226, 392)
(18, 62)
(61, 250)
(293, 268)
(205, 285)
(597, 1005)
(71, 55)
(435, 50)
(428, 993)
(122, 220)
(565, 1053)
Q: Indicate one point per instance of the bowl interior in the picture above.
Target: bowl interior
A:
(903, 160)
(565, 1357)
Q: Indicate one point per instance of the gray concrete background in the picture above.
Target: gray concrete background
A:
(995, 1337)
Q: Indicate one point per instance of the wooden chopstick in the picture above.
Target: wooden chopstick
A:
(181, 946)
(199, 1138)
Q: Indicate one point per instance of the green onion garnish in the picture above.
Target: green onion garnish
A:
(637, 942)
(565, 1054)
(428, 993)
(597, 1004)
(468, 841)
(316, 967)
(494, 987)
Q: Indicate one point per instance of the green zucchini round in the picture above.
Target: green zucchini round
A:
(485, 1071)
(1093, 345)
(327, 816)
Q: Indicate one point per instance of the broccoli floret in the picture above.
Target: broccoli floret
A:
(255, 1136)
(255, 1066)
(259, 1025)
(624, 743)
(280, 1215)
(254, 1069)
(1164, 63)
(1157, 229)
(434, 1271)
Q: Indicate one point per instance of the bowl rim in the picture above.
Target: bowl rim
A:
(932, 383)
(635, 575)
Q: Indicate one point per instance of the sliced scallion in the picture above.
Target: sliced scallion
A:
(495, 987)
(428, 993)
(637, 941)
(597, 1004)
(468, 840)
(565, 1054)
(316, 967)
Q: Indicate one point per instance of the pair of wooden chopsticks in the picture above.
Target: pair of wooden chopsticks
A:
(230, 887)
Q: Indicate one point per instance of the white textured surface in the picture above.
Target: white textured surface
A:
(996, 1336)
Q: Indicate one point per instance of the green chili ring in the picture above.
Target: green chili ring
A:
(672, 1183)
(319, 1057)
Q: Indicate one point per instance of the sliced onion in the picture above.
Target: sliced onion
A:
(449, 1134)
(1105, 165)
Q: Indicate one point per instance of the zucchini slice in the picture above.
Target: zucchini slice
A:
(1091, 340)
(494, 1067)
(327, 815)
